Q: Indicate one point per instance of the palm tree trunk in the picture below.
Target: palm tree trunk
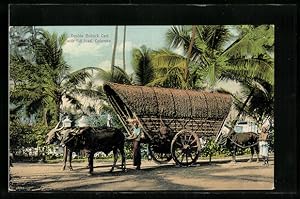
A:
(58, 102)
(45, 117)
(189, 55)
(124, 39)
(243, 107)
(114, 51)
(58, 111)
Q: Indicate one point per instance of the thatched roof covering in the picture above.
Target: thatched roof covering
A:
(170, 103)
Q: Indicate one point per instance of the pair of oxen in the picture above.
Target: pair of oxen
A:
(92, 140)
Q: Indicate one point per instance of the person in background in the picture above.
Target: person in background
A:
(136, 137)
(109, 118)
(11, 157)
(263, 145)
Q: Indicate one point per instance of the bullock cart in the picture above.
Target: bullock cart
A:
(172, 120)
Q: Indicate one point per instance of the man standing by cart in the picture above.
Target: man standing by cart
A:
(136, 137)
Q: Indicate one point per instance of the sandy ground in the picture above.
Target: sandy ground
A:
(220, 175)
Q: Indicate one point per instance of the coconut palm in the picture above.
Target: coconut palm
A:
(21, 39)
(169, 68)
(249, 61)
(260, 103)
(249, 56)
(202, 46)
(114, 50)
(142, 65)
(44, 82)
(124, 40)
(246, 60)
(189, 53)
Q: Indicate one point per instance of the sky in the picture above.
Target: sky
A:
(91, 46)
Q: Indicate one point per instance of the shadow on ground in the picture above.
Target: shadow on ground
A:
(161, 177)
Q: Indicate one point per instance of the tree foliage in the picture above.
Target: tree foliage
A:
(217, 54)
(41, 81)
(142, 65)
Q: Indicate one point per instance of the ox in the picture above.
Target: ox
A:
(105, 139)
(243, 140)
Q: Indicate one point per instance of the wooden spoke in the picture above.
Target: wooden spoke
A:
(194, 140)
(185, 148)
(179, 143)
(182, 157)
(186, 158)
(182, 141)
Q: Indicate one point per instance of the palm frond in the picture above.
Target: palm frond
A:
(165, 58)
(76, 78)
(142, 65)
(62, 39)
(255, 68)
(104, 75)
(253, 42)
(73, 100)
(91, 93)
(159, 82)
(178, 36)
(215, 36)
(119, 76)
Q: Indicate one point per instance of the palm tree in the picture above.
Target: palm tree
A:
(189, 54)
(203, 46)
(44, 82)
(199, 51)
(246, 60)
(169, 69)
(249, 56)
(249, 62)
(21, 39)
(114, 50)
(124, 40)
(142, 65)
(260, 98)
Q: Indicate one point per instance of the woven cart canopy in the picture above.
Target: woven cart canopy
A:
(169, 103)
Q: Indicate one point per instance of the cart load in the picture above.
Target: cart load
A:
(185, 115)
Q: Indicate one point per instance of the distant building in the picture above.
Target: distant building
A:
(245, 126)
(67, 122)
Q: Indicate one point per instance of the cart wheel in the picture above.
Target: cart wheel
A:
(159, 157)
(185, 148)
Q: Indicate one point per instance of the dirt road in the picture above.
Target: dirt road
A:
(220, 175)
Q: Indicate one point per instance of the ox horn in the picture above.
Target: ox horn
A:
(60, 128)
(57, 126)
